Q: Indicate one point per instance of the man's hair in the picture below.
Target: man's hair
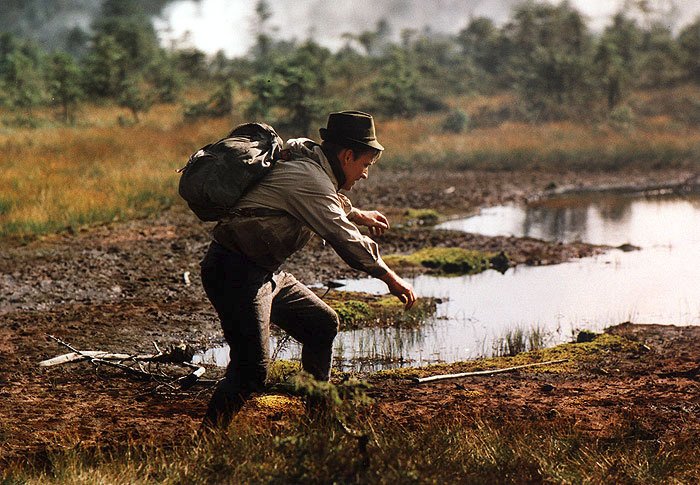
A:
(358, 149)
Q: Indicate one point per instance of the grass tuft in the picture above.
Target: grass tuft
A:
(361, 310)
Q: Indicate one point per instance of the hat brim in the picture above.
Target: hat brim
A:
(373, 143)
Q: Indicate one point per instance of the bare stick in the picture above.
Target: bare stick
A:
(98, 357)
(95, 354)
(281, 343)
(68, 346)
(75, 357)
(421, 380)
(190, 379)
(96, 360)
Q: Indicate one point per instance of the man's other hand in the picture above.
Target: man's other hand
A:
(375, 220)
(400, 289)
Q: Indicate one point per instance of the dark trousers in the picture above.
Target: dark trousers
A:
(246, 298)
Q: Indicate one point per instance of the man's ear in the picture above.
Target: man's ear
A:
(345, 156)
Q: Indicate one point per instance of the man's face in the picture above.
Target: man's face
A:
(355, 168)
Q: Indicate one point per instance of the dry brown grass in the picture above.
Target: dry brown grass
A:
(55, 177)
(654, 142)
(59, 177)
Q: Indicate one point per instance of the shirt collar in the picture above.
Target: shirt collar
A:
(306, 147)
(334, 162)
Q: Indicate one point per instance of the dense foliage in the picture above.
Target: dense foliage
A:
(546, 53)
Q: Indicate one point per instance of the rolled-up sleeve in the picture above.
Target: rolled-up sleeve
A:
(319, 206)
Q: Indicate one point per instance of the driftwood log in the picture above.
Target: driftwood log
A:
(421, 380)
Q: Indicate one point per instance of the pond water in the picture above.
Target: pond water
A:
(660, 283)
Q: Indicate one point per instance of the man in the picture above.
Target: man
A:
(273, 220)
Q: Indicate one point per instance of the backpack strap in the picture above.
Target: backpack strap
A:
(256, 212)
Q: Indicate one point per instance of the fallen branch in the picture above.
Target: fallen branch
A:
(421, 380)
(97, 360)
(96, 354)
(174, 355)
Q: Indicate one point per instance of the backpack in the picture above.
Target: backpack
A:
(218, 174)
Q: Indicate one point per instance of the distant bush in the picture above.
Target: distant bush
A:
(220, 104)
(457, 121)
(621, 116)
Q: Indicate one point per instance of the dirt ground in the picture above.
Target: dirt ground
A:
(124, 285)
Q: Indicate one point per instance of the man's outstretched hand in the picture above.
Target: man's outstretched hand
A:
(400, 289)
(375, 220)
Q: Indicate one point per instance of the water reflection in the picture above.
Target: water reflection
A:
(611, 219)
(659, 284)
(356, 350)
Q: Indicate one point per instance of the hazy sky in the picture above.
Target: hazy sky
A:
(211, 25)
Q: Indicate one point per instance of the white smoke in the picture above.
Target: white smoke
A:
(228, 25)
(211, 25)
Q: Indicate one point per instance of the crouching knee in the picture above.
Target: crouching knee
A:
(332, 324)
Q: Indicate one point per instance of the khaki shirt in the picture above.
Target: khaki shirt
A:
(302, 196)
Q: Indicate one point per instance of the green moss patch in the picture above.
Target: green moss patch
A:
(576, 353)
(360, 310)
(421, 217)
(449, 260)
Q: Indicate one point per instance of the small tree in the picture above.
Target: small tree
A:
(616, 58)
(551, 58)
(293, 89)
(21, 85)
(266, 91)
(689, 43)
(105, 67)
(376, 41)
(166, 80)
(263, 40)
(126, 22)
(482, 43)
(192, 63)
(396, 92)
(134, 97)
(660, 57)
(456, 121)
(218, 105)
(64, 84)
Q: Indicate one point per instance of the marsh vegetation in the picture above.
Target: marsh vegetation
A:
(97, 246)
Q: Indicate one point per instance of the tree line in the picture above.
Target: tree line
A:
(545, 53)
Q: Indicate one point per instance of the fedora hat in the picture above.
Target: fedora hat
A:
(351, 126)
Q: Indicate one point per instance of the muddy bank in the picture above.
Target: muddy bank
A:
(644, 386)
(121, 286)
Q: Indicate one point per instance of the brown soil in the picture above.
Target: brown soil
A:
(650, 391)
(121, 286)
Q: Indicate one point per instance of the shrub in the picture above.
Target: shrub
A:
(456, 121)
(621, 116)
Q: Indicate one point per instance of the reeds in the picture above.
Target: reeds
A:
(519, 340)
(458, 449)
